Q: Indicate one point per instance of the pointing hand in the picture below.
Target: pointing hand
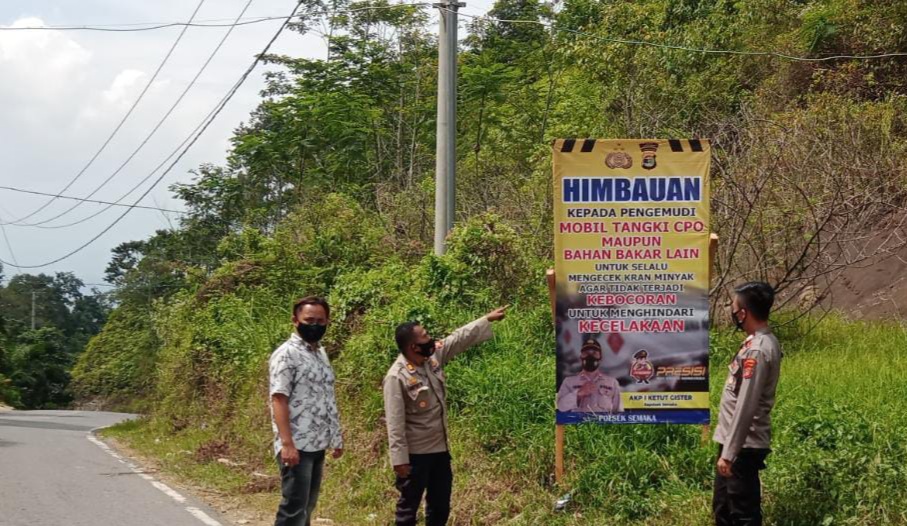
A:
(497, 314)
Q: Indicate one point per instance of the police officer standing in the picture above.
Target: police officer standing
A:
(744, 418)
(415, 405)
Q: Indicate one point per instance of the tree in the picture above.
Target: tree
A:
(35, 364)
(39, 367)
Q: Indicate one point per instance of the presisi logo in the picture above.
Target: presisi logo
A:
(681, 371)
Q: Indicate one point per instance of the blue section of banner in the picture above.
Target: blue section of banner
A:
(666, 416)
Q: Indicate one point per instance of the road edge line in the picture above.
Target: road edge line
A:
(165, 489)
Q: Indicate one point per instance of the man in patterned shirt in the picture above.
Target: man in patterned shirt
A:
(303, 412)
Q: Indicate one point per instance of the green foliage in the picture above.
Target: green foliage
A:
(118, 364)
(818, 28)
(491, 257)
(35, 363)
(39, 369)
(8, 393)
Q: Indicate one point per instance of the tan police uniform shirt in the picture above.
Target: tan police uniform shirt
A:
(744, 416)
(593, 392)
(415, 397)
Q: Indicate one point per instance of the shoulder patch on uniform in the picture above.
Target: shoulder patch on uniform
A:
(749, 367)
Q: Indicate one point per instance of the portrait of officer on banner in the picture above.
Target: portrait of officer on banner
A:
(590, 390)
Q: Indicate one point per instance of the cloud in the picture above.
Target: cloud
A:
(60, 92)
(125, 87)
(43, 63)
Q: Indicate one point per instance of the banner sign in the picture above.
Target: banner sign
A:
(631, 239)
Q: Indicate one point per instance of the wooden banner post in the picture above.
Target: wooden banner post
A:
(558, 428)
(713, 249)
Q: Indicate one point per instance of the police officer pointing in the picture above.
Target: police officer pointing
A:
(415, 405)
(744, 418)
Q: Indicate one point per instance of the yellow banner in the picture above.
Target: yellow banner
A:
(631, 231)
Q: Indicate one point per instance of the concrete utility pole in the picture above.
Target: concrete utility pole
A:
(446, 145)
(33, 294)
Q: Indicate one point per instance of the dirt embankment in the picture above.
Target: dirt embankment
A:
(877, 288)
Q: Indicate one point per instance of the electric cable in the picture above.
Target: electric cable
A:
(223, 102)
(119, 125)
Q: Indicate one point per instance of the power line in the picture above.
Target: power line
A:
(145, 141)
(35, 192)
(157, 23)
(613, 40)
(9, 247)
(120, 124)
(119, 201)
(160, 285)
(112, 28)
(220, 106)
(152, 26)
(43, 224)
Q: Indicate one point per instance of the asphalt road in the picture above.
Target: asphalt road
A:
(51, 473)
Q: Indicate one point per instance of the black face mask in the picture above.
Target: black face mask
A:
(590, 363)
(311, 332)
(737, 321)
(427, 349)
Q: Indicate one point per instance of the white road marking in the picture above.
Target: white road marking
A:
(167, 490)
(202, 516)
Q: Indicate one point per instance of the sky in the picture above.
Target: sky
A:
(64, 92)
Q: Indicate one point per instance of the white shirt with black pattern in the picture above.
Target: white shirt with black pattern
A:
(303, 373)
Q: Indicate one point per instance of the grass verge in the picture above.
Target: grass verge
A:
(840, 448)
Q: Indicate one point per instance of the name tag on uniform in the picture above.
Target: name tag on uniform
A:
(415, 387)
(414, 393)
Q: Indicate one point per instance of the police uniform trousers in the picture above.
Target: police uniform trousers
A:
(431, 475)
(737, 500)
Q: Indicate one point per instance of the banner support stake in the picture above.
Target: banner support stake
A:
(713, 249)
(558, 428)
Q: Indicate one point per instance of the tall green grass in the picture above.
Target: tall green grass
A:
(840, 444)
